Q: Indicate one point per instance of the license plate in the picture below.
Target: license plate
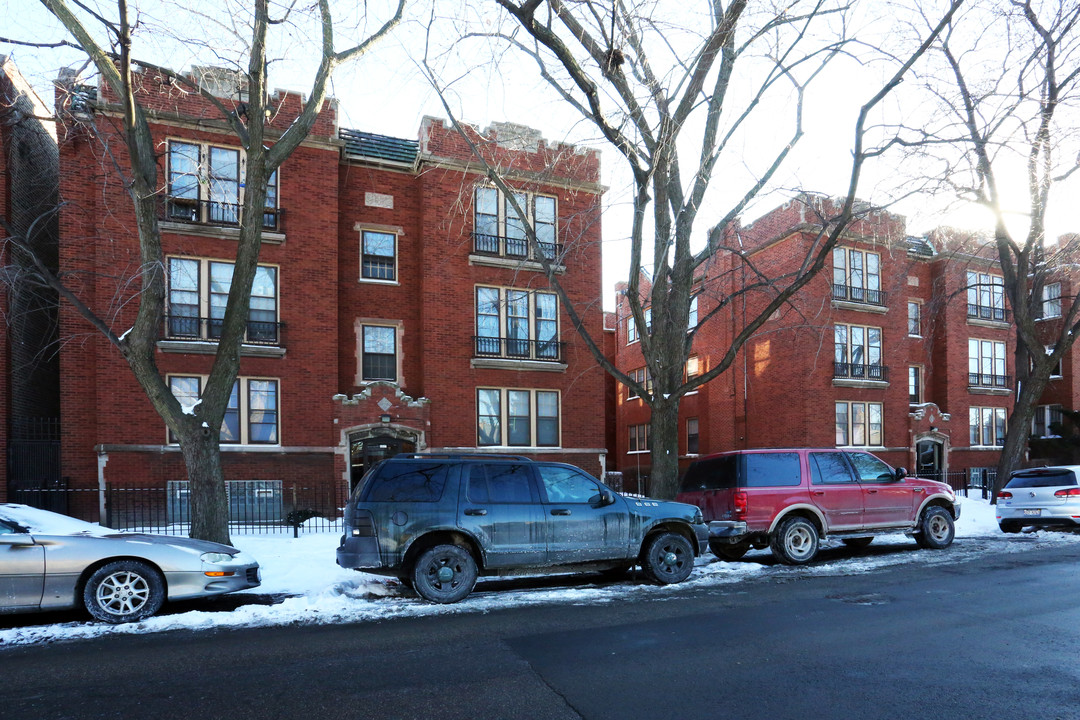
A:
(1037, 511)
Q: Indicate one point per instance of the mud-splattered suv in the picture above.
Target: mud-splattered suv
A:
(438, 521)
(789, 499)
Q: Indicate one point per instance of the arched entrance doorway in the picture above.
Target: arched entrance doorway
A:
(930, 458)
(368, 446)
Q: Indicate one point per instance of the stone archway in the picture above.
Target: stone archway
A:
(931, 453)
(368, 444)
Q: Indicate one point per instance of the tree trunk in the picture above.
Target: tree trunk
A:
(1016, 436)
(664, 433)
(209, 503)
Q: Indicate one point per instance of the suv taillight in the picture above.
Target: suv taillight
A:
(363, 525)
(740, 503)
(1071, 492)
(1004, 494)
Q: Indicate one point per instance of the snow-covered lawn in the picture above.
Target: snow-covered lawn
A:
(321, 592)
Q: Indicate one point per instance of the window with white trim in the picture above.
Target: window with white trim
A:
(985, 296)
(378, 256)
(986, 364)
(1046, 416)
(914, 318)
(378, 352)
(205, 184)
(857, 276)
(857, 352)
(251, 416)
(643, 377)
(858, 424)
(986, 426)
(498, 229)
(1051, 301)
(692, 436)
(638, 438)
(914, 384)
(692, 320)
(515, 417)
(631, 330)
(514, 323)
(198, 293)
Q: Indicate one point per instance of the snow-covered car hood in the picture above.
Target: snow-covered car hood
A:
(201, 546)
(43, 522)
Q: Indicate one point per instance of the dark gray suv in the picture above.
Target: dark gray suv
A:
(437, 522)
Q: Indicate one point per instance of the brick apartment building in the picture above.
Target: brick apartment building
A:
(901, 345)
(397, 305)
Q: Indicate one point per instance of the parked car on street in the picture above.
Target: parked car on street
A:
(1041, 498)
(437, 522)
(53, 562)
(789, 499)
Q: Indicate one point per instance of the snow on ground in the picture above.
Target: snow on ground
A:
(321, 592)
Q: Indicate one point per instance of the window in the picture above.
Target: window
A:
(1051, 300)
(251, 416)
(1055, 372)
(771, 469)
(639, 438)
(198, 294)
(987, 426)
(692, 320)
(914, 384)
(643, 377)
(631, 330)
(693, 367)
(379, 352)
(410, 481)
(517, 418)
(830, 469)
(870, 469)
(567, 485)
(857, 276)
(648, 319)
(914, 320)
(858, 424)
(497, 483)
(206, 185)
(857, 352)
(1047, 421)
(985, 297)
(378, 256)
(691, 436)
(986, 364)
(517, 324)
(499, 230)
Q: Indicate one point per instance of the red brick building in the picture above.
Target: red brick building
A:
(397, 306)
(901, 345)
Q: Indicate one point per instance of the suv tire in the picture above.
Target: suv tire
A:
(936, 529)
(668, 558)
(795, 542)
(444, 574)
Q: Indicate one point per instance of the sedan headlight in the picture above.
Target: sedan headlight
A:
(215, 558)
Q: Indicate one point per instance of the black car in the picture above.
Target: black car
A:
(437, 522)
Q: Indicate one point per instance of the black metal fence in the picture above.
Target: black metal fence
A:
(980, 480)
(255, 506)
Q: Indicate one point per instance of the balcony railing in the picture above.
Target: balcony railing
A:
(856, 371)
(511, 247)
(985, 312)
(211, 212)
(518, 349)
(985, 380)
(185, 327)
(852, 293)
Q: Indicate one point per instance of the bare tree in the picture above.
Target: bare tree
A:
(108, 43)
(1010, 91)
(672, 90)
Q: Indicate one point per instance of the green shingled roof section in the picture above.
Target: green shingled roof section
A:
(920, 246)
(379, 147)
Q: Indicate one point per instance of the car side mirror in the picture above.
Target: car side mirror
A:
(606, 498)
(901, 473)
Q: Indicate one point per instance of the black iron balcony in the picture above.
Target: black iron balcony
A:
(985, 312)
(212, 212)
(511, 247)
(986, 380)
(856, 371)
(518, 349)
(854, 294)
(185, 327)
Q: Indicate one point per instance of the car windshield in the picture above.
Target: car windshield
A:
(1042, 478)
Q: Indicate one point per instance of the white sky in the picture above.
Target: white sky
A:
(386, 93)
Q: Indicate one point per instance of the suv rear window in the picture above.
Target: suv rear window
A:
(1042, 478)
(408, 481)
(711, 474)
(743, 470)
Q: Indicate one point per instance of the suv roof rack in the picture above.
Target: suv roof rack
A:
(460, 456)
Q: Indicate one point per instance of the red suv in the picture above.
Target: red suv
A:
(789, 499)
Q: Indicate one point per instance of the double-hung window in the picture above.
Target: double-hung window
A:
(914, 319)
(986, 426)
(858, 424)
(198, 293)
(631, 330)
(515, 323)
(986, 364)
(1046, 418)
(379, 352)
(517, 417)
(692, 436)
(985, 296)
(692, 319)
(914, 384)
(857, 352)
(206, 185)
(638, 438)
(251, 416)
(857, 276)
(378, 256)
(1051, 301)
(643, 377)
(500, 230)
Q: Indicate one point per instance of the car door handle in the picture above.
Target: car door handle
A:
(475, 511)
(560, 511)
(871, 492)
(819, 492)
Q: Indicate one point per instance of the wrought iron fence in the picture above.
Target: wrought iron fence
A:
(859, 371)
(191, 327)
(512, 247)
(213, 212)
(856, 294)
(964, 481)
(255, 506)
(987, 312)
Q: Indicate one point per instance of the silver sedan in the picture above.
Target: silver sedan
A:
(1040, 497)
(53, 562)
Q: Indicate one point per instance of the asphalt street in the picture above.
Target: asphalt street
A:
(989, 636)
